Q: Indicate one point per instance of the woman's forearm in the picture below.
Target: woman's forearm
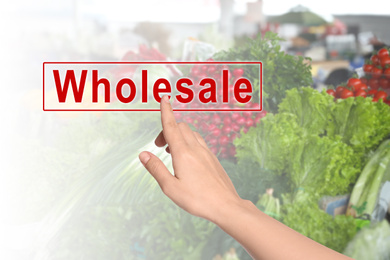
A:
(266, 238)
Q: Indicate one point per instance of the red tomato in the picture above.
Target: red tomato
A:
(367, 67)
(376, 72)
(385, 61)
(360, 93)
(353, 82)
(374, 99)
(364, 80)
(383, 53)
(373, 83)
(360, 87)
(331, 92)
(386, 72)
(387, 101)
(363, 87)
(372, 92)
(339, 90)
(384, 83)
(380, 95)
(346, 94)
(375, 59)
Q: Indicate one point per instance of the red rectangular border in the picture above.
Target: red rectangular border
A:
(161, 63)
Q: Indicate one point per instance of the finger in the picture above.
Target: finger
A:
(172, 134)
(157, 169)
(160, 140)
(167, 149)
(187, 133)
(200, 139)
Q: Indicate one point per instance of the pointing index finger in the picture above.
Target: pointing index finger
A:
(171, 131)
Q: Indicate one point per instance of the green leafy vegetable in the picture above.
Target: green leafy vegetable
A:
(308, 219)
(316, 161)
(310, 142)
(371, 243)
(270, 143)
(281, 71)
(319, 146)
(310, 108)
(361, 123)
(365, 192)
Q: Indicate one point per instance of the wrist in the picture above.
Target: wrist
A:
(231, 209)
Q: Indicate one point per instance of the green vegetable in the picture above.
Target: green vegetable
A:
(311, 109)
(310, 144)
(270, 143)
(281, 71)
(361, 123)
(318, 147)
(307, 162)
(371, 243)
(375, 186)
(365, 192)
(308, 219)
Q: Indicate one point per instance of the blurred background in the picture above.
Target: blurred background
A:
(71, 186)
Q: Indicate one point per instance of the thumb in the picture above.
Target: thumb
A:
(156, 168)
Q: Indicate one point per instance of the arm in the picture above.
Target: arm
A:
(201, 186)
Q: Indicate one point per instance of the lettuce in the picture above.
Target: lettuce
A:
(371, 243)
(321, 166)
(309, 161)
(319, 145)
(310, 108)
(308, 219)
(361, 123)
(270, 144)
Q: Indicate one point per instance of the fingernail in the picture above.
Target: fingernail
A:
(166, 98)
(144, 157)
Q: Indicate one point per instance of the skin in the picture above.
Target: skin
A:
(205, 190)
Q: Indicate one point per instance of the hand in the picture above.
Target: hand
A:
(199, 185)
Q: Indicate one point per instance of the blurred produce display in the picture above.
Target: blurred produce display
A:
(306, 145)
